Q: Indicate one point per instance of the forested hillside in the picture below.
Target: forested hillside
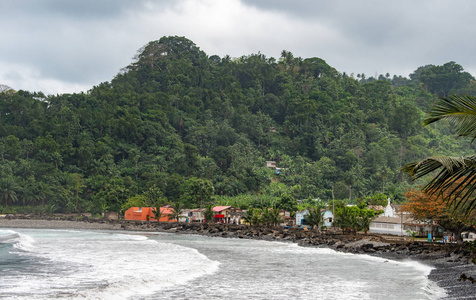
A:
(180, 125)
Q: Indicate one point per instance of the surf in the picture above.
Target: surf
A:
(97, 265)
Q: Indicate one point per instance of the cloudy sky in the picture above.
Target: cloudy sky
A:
(65, 46)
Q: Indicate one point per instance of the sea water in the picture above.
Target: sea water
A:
(66, 264)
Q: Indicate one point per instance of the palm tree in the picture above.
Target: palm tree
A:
(314, 217)
(8, 190)
(177, 208)
(460, 111)
(274, 217)
(158, 214)
(364, 222)
(248, 217)
(265, 216)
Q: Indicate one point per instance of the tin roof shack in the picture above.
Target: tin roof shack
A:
(287, 219)
(196, 215)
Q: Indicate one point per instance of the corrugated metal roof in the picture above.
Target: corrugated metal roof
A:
(220, 208)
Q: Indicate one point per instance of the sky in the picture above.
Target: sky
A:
(68, 46)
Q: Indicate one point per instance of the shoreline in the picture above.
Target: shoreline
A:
(448, 261)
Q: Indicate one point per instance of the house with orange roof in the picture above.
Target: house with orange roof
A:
(147, 214)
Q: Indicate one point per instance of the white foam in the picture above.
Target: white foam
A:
(19, 241)
(109, 266)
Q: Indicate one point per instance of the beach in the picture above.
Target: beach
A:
(448, 263)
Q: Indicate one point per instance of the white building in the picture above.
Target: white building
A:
(390, 222)
(326, 214)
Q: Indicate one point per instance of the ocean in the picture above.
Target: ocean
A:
(69, 264)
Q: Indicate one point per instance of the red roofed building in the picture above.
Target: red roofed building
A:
(227, 214)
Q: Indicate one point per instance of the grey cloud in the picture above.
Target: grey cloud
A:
(86, 42)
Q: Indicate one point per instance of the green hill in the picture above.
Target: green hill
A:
(178, 124)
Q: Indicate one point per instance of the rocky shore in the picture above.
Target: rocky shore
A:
(449, 260)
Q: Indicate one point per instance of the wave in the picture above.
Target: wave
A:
(99, 265)
(19, 241)
(9, 238)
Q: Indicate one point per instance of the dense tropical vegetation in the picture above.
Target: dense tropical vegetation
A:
(178, 125)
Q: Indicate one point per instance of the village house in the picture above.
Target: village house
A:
(287, 219)
(328, 217)
(468, 236)
(271, 164)
(395, 221)
(196, 215)
(227, 214)
(299, 215)
(421, 229)
(147, 214)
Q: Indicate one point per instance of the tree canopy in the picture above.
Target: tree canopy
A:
(182, 126)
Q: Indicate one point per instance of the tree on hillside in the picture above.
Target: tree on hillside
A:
(8, 190)
(196, 192)
(456, 177)
(444, 79)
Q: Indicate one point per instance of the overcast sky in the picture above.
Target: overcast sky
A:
(65, 46)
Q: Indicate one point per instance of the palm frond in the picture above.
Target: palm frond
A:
(458, 110)
(456, 177)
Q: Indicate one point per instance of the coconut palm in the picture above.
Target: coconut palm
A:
(254, 216)
(314, 217)
(8, 190)
(274, 217)
(460, 111)
(177, 208)
(365, 220)
(248, 217)
(157, 213)
(266, 216)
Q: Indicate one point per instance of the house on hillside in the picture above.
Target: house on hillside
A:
(227, 214)
(147, 214)
(271, 164)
